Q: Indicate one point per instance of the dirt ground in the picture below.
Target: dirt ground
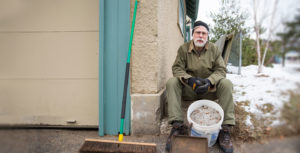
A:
(69, 141)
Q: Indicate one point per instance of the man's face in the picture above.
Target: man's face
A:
(200, 36)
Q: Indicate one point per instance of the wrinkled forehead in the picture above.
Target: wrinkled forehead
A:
(200, 29)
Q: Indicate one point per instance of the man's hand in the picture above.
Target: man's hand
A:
(194, 83)
(202, 89)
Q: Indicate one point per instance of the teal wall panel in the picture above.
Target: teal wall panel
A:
(114, 34)
(101, 67)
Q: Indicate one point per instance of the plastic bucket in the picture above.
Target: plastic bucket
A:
(210, 132)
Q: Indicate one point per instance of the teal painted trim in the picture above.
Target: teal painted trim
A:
(124, 39)
(101, 69)
(196, 9)
(121, 126)
(116, 40)
(132, 31)
(193, 21)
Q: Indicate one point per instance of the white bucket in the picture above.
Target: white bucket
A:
(210, 132)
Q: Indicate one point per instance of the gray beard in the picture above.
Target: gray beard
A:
(199, 44)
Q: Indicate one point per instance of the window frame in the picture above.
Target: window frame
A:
(187, 33)
(181, 17)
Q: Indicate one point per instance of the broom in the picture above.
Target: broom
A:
(108, 146)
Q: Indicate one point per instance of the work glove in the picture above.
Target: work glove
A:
(203, 88)
(194, 83)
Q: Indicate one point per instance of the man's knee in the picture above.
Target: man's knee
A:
(173, 82)
(225, 84)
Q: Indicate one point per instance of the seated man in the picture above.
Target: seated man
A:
(199, 73)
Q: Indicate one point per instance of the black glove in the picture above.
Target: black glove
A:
(194, 83)
(202, 89)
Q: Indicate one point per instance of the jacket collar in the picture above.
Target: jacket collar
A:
(192, 46)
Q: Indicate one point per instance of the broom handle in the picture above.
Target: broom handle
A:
(127, 74)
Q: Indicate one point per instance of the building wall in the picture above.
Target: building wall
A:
(145, 60)
(157, 37)
(49, 62)
(169, 39)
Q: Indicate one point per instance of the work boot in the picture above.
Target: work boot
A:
(224, 139)
(178, 129)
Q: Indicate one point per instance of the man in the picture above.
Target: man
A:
(199, 73)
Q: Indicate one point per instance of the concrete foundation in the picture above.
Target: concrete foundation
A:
(148, 120)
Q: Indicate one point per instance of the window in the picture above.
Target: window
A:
(181, 16)
(187, 35)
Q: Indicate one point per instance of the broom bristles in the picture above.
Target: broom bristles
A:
(106, 146)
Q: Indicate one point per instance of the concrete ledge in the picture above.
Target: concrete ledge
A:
(146, 113)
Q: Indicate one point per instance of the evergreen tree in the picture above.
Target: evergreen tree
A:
(291, 38)
(229, 18)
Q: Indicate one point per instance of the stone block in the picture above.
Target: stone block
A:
(146, 113)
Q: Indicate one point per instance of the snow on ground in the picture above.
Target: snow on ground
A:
(269, 89)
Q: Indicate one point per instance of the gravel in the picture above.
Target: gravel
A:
(205, 116)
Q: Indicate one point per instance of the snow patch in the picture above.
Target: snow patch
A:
(271, 88)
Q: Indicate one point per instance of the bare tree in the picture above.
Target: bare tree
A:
(257, 28)
(271, 28)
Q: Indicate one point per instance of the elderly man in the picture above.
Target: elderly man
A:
(199, 73)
